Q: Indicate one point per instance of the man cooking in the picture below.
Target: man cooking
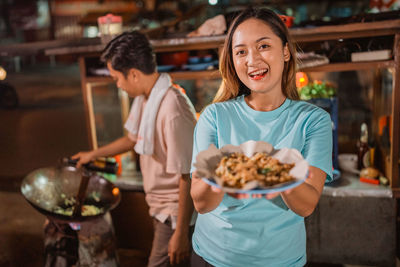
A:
(160, 128)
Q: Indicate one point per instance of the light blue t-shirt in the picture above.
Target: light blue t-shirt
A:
(259, 232)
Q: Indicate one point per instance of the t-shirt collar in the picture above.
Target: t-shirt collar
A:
(264, 114)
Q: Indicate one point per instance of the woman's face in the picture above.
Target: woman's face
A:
(258, 56)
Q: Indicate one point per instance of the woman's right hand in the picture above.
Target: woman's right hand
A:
(205, 197)
(84, 157)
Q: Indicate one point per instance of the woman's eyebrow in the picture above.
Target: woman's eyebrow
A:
(258, 40)
(262, 38)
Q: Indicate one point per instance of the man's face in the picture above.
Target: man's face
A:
(127, 83)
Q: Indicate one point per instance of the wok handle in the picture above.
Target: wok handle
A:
(96, 166)
(81, 193)
(69, 161)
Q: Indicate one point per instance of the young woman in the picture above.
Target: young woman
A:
(258, 100)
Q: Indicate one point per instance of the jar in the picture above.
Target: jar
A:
(109, 27)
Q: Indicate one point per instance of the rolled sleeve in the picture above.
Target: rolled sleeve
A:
(178, 134)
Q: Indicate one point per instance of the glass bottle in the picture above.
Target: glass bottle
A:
(362, 146)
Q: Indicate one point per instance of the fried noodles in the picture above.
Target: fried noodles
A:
(236, 170)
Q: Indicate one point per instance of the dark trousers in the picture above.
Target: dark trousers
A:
(197, 261)
(159, 251)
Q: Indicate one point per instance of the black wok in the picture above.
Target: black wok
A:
(45, 189)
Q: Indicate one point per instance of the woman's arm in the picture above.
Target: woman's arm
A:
(304, 198)
(205, 199)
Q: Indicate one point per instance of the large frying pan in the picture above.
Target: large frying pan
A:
(47, 188)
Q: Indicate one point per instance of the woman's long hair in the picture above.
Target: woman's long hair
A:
(231, 85)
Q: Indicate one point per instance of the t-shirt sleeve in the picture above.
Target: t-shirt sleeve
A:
(205, 133)
(318, 143)
(178, 134)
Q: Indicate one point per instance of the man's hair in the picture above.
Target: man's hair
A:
(130, 50)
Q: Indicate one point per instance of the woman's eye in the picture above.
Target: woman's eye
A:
(240, 52)
(263, 46)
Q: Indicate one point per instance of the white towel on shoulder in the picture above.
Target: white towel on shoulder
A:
(143, 126)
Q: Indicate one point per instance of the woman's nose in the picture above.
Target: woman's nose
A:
(253, 57)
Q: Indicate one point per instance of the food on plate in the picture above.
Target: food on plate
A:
(236, 170)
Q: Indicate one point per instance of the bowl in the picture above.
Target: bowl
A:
(207, 58)
(194, 60)
(348, 163)
(175, 58)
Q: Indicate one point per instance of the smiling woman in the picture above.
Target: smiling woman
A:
(259, 56)
(258, 100)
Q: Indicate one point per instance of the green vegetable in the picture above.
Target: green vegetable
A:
(264, 171)
(317, 89)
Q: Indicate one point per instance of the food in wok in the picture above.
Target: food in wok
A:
(53, 192)
(68, 206)
(236, 170)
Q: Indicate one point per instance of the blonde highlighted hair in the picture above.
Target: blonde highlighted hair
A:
(231, 85)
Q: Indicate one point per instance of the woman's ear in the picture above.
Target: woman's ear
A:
(286, 53)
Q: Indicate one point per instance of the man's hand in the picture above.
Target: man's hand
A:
(84, 157)
(178, 248)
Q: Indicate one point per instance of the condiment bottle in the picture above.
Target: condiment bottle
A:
(109, 27)
(362, 146)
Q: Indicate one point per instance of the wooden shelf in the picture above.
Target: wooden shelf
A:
(98, 79)
(349, 66)
(178, 75)
(193, 75)
(214, 74)
(353, 30)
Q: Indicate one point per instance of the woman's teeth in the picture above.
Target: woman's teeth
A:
(258, 74)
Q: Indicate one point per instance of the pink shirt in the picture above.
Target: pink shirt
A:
(173, 141)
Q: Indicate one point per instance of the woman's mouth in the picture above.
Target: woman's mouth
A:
(258, 74)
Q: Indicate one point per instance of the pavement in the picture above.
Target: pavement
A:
(48, 124)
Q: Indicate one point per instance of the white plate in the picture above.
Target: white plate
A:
(207, 161)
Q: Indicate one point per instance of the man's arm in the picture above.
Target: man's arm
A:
(179, 245)
(120, 145)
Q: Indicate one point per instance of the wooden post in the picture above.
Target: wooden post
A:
(395, 132)
(82, 68)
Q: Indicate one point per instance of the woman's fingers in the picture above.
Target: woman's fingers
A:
(216, 189)
(272, 195)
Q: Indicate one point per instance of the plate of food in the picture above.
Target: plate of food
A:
(253, 167)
